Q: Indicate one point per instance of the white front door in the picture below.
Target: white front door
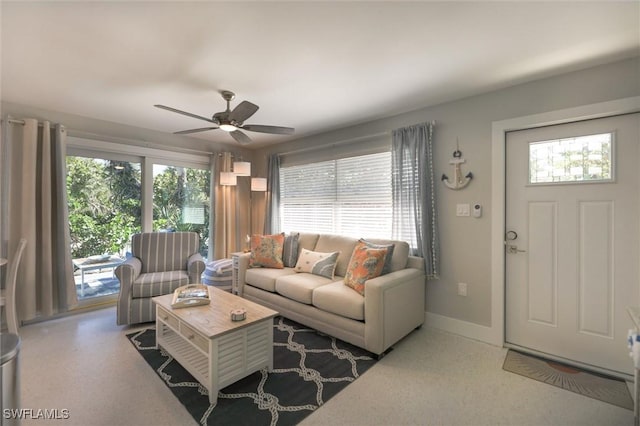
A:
(572, 239)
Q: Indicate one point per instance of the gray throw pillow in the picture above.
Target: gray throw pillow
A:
(290, 251)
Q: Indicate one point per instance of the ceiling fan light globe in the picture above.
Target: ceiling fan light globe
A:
(228, 127)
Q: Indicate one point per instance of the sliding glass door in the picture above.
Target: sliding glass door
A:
(181, 201)
(113, 194)
(104, 197)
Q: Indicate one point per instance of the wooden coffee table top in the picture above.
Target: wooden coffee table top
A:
(214, 320)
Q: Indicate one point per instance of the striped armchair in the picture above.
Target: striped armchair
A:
(161, 262)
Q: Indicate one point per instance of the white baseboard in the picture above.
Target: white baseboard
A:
(463, 328)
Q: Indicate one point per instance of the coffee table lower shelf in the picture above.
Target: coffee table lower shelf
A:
(218, 361)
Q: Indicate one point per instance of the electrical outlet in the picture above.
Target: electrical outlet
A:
(462, 289)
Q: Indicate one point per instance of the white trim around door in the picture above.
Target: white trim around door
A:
(496, 335)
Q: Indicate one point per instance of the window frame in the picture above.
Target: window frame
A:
(338, 226)
(612, 164)
(147, 157)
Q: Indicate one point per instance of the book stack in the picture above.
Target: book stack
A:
(190, 295)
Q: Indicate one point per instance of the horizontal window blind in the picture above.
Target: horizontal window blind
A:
(348, 196)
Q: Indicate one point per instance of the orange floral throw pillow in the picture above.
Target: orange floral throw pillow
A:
(266, 251)
(365, 263)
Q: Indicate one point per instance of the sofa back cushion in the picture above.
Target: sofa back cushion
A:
(307, 241)
(345, 245)
(164, 251)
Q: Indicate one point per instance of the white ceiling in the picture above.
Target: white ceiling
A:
(315, 66)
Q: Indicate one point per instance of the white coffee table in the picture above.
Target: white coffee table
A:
(214, 349)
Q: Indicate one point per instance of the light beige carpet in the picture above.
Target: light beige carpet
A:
(610, 390)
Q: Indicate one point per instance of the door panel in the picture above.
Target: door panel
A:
(575, 269)
(542, 280)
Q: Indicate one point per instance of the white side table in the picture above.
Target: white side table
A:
(235, 259)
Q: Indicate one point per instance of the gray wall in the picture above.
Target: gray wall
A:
(465, 241)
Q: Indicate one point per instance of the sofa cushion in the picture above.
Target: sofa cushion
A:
(290, 250)
(158, 283)
(265, 278)
(340, 300)
(400, 252)
(387, 259)
(365, 263)
(322, 264)
(345, 245)
(266, 251)
(300, 287)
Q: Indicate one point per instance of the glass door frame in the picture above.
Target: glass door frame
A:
(147, 157)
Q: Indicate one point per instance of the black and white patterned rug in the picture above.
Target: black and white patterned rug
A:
(308, 369)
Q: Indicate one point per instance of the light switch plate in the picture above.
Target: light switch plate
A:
(462, 210)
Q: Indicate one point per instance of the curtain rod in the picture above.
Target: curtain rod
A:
(22, 122)
(344, 141)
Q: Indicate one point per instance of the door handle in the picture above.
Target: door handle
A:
(513, 249)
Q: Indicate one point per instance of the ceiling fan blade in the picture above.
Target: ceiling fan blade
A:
(240, 137)
(269, 129)
(188, 114)
(243, 111)
(202, 129)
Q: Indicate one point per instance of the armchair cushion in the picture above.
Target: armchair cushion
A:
(164, 251)
(158, 283)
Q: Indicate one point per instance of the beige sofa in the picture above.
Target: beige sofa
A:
(392, 306)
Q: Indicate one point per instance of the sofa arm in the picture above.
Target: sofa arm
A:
(243, 265)
(127, 272)
(394, 305)
(195, 268)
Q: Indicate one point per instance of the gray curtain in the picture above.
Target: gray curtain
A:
(37, 210)
(413, 187)
(272, 216)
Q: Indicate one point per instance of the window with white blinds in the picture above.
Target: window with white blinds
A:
(349, 196)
